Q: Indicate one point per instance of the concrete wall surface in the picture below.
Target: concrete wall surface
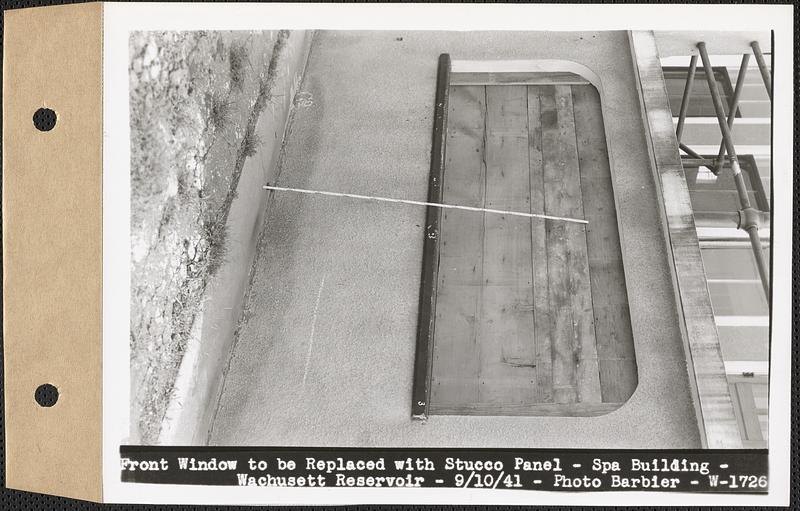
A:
(326, 353)
(197, 388)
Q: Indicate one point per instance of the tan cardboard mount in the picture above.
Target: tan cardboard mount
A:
(52, 249)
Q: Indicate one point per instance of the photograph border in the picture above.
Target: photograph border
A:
(122, 18)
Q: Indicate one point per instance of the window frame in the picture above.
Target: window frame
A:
(747, 162)
(740, 387)
(721, 75)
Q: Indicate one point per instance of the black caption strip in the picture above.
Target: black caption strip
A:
(723, 471)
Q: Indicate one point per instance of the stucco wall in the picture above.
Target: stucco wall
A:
(347, 273)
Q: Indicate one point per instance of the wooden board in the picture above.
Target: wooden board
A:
(541, 297)
(423, 358)
(616, 359)
(455, 353)
(506, 322)
(535, 409)
(575, 376)
(531, 78)
(518, 329)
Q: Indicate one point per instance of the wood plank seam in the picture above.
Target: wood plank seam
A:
(589, 376)
(505, 319)
(542, 335)
(459, 287)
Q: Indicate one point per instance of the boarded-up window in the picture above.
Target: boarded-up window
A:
(532, 315)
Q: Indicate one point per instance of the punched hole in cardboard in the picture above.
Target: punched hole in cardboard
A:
(46, 395)
(44, 119)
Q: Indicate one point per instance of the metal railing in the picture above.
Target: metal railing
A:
(749, 218)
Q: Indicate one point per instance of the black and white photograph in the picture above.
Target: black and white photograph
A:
(303, 275)
(551, 245)
(404, 253)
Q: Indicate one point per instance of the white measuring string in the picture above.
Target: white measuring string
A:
(421, 203)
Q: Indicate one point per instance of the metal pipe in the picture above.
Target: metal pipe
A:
(761, 263)
(717, 219)
(732, 107)
(748, 220)
(723, 122)
(691, 152)
(687, 93)
(696, 162)
(762, 66)
(728, 219)
(724, 242)
(703, 162)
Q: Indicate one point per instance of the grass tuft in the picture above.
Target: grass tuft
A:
(216, 237)
(250, 144)
(238, 59)
(220, 111)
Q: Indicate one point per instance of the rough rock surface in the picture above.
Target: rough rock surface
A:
(194, 99)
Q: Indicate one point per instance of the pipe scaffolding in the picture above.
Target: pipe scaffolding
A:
(732, 108)
(748, 216)
(762, 66)
(687, 92)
